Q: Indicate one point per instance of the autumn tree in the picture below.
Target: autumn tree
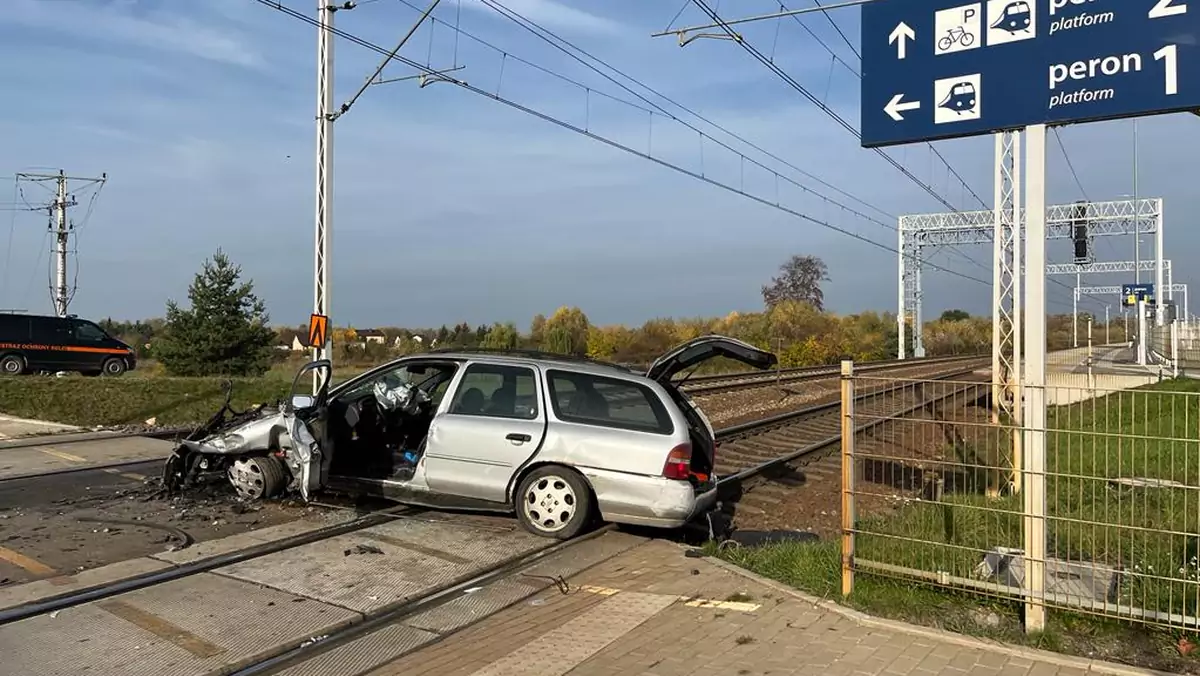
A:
(224, 332)
(501, 337)
(955, 315)
(800, 280)
(566, 332)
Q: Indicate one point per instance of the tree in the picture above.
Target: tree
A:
(566, 332)
(224, 332)
(501, 337)
(955, 315)
(799, 280)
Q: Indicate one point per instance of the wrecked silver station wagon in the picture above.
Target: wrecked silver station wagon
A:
(557, 440)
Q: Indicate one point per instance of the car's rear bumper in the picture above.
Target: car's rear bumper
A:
(646, 500)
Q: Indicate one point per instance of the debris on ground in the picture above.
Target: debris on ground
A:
(362, 549)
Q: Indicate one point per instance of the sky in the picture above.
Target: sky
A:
(451, 206)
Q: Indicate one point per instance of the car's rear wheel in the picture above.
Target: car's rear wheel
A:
(258, 477)
(12, 365)
(555, 502)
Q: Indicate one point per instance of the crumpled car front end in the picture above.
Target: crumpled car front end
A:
(262, 451)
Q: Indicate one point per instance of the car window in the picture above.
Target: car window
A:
(433, 378)
(497, 391)
(609, 402)
(89, 333)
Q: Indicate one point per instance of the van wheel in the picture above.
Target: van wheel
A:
(114, 367)
(554, 502)
(258, 477)
(12, 365)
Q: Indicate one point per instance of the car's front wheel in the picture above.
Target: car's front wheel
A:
(258, 477)
(554, 502)
(114, 367)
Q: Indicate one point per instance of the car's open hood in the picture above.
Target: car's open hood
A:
(700, 349)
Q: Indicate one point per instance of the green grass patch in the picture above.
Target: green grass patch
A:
(127, 401)
(815, 568)
(143, 394)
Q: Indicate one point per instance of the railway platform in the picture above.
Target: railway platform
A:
(653, 610)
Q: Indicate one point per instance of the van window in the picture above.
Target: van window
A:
(13, 327)
(608, 402)
(50, 331)
(88, 332)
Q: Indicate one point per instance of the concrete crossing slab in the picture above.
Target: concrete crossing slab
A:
(24, 461)
(12, 427)
(203, 624)
(385, 565)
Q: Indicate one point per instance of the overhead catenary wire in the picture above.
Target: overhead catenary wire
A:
(842, 122)
(656, 108)
(279, 6)
(574, 51)
(821, 105)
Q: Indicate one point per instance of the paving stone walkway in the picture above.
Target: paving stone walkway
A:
(655, 611)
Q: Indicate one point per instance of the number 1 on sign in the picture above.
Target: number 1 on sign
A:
(1168, 56)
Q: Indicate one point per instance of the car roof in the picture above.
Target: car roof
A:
(545, 360)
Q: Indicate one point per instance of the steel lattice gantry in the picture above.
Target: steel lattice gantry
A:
(921, 233)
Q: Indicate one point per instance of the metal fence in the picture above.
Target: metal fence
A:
(1106, 521)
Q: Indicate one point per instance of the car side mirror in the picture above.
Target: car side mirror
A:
(302, 401)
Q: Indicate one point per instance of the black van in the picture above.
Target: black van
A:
(31, 343)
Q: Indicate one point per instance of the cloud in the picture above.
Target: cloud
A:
(551, 15)
(116, 22)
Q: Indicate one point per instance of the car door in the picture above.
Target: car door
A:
(493, 424)
(306, 419)
(50, 337)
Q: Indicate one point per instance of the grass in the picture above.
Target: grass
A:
(142, 394)
(815, 568)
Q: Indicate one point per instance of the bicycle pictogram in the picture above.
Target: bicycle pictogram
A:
(956, 35)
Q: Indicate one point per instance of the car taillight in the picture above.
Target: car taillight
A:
(679, 461)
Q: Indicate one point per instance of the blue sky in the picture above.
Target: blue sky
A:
(449, 206)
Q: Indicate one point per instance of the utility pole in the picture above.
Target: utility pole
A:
(1107, 336)
(324, 191)
(62, 228)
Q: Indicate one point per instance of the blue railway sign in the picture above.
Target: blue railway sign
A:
(1132, 293)
(936, 69)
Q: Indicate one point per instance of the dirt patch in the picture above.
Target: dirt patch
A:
(82, 532)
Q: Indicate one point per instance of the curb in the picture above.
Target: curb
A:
(1058, 659)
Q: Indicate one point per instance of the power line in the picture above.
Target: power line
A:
(1070, 165)
(841, 121)
(574, 51)
(279, 6)
(563, 44)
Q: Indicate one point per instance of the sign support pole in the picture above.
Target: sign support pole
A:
(901, 310)
(1160, 315)
(1035, 379)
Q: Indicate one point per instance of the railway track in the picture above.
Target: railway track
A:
(729, 382)
(759, 462)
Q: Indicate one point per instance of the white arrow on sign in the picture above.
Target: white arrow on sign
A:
(895, 107)
(1164, 8)
(899, 37)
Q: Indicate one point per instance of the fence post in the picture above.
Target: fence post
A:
(848, 519)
